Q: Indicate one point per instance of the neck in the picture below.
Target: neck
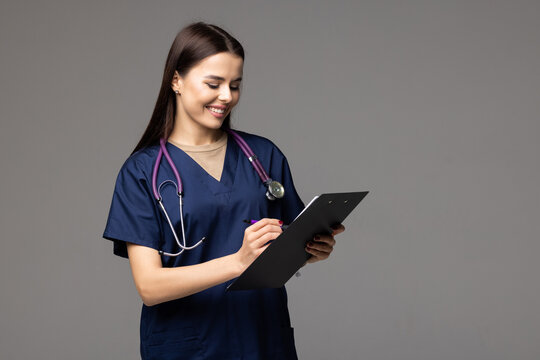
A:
(194, 135)
(195, 138)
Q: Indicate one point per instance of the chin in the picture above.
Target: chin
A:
(214, 124)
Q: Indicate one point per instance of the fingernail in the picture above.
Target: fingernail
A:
(317, 237)
(280, 222)
(310, 244)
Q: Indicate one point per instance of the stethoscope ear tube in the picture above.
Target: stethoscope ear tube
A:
(163, 151)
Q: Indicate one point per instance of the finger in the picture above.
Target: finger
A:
(257, 243)
(338, 229)
(325, 239)
(319, 255)
(266, 229)
(259, 251)
(262, 223)
(323, 247)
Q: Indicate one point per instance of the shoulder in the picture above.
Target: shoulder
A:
(140, 163)
(260, 144)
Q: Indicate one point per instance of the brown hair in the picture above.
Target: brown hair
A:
(191, 45)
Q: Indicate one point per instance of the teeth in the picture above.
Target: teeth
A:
(220, 111)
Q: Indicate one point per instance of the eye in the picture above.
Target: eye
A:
(216, 86)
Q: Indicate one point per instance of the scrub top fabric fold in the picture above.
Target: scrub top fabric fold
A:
(212, 324)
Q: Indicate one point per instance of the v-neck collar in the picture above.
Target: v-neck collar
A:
(228, 174)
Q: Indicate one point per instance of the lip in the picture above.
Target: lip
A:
(221, 107)
(217, 115)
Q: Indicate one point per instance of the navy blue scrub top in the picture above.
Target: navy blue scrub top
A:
(212, 324)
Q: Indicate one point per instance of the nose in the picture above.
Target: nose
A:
(225, 94)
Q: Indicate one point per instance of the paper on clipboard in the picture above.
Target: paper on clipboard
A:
(311, 202)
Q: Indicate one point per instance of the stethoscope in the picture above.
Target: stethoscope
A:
(274, 189)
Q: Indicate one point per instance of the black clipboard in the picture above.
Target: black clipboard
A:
(286, 254)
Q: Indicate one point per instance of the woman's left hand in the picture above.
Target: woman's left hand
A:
(322, 245)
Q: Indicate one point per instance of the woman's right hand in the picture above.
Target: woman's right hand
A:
(256, 238)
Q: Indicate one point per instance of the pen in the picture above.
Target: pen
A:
(251, 222)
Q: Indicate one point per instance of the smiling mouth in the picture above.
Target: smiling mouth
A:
(216, 110)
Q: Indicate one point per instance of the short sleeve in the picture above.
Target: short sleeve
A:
(133, 215)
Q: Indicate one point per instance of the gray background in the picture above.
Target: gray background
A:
(433, 106)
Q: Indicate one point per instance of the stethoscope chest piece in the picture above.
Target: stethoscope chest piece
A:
(275, 190)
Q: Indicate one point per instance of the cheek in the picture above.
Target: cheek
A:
(199, 95)
(200, 89)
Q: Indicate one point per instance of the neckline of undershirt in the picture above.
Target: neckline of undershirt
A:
(222, 141)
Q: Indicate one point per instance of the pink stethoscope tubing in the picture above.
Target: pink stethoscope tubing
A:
(274, 189)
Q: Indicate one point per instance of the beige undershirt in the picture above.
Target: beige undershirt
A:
(210, 157)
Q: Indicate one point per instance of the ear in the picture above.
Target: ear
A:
(177, 83)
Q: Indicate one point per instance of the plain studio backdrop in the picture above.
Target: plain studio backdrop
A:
(432, 106)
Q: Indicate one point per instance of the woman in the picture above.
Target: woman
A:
(187, 314)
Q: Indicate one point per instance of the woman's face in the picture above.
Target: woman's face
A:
(209, 91)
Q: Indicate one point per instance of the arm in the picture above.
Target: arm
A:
(157, 284)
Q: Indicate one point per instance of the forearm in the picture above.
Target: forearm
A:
(158, 284)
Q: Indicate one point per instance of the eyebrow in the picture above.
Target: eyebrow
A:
(215, 77)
